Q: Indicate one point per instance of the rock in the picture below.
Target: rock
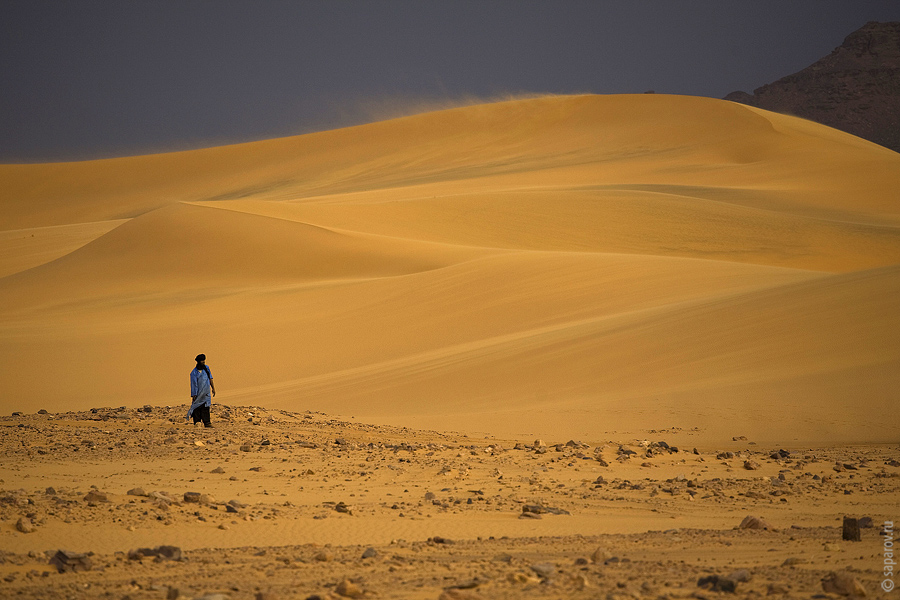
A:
(246, 448)
(192, 497)
(741, 576)
(439, 540)
(716, 583)
(25, 525)
(777, 589)
(236, 504)
(519, 577)
(539, 509)
(751, 522)
(370, 553)
(160, 553)
(343, 508)
(831, 547)
(218, 470)
(66, 561)
(751, 465)
(42, 412)
(459, 594)
(348, 589)
(850, 530)
(136, 492)
(791, 561)
(855, 88)
(544, 570)
(162, 497)
(842, 583)
(600, 555)
(779, 454)
(323, 556)
(95, 496)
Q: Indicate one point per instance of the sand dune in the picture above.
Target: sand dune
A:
(562, 265)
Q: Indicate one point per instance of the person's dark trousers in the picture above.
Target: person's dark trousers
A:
(201, 413)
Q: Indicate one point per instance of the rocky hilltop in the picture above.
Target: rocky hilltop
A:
(856, 88)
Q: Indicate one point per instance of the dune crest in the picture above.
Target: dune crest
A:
(546, 265)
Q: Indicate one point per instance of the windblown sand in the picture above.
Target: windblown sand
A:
(601, 270)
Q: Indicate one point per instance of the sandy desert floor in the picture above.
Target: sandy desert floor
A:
(395, 313)
(298, 505)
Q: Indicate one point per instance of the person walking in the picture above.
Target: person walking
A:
(201, 387)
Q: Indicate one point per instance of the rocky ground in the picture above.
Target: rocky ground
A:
(272, 504)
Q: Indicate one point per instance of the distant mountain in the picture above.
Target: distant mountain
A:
(856, 88)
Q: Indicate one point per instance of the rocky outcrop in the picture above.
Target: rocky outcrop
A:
(856, 88)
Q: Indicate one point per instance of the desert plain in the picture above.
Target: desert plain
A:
(635, 346)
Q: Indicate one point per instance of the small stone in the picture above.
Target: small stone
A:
(741, 576)
(198, 443)
(751, 522)
(544, 570)
(348, 589)
(193, 497)
(831, 547)
(218, 470)
(842, 583)
(777, 589)
(751, 465)
(370, 553)
(519, 577)
(136, 492)
(42, 412)
(95, 496)
(600, 555)
(717, 584)
(323, 556)
(25, 525)
(246, 448)
(459, 594)
(223, 527)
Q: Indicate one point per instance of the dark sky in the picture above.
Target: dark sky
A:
(84, 79)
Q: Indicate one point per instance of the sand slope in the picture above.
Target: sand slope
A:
(562, 266)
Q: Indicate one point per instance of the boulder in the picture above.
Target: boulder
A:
(751, 522)
(25, 525)
(842, 583)
(66, 561)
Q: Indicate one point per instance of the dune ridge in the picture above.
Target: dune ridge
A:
(534, 267)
